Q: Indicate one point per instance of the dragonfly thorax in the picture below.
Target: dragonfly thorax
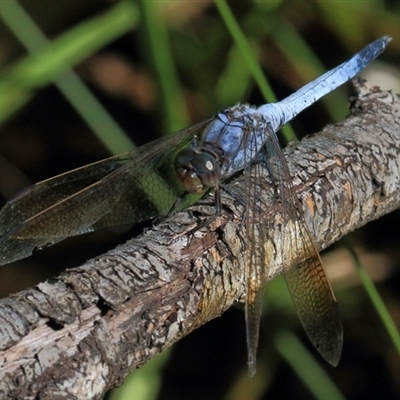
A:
(197, 171)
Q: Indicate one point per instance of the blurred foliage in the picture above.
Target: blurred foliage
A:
(145, 69)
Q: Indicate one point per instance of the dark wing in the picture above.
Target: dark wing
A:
(124, 189)
(308, 285)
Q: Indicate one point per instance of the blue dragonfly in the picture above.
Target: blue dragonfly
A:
(147, 182)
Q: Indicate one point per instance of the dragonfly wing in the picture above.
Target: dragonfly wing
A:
(308, 285)
(313, 296)
(151, 186)
(130, 188)
(258, 260)
(45, 194)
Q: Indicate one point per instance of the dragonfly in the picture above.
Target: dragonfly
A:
(147, 182)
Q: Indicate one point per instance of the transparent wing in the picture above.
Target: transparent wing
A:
(308, 285)
(124, 189)
(257, 267)
(305, 276)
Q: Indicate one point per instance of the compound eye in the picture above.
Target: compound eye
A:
(184, 158)
(197, 172)
(208, 169)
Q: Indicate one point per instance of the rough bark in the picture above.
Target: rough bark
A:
(80, 334)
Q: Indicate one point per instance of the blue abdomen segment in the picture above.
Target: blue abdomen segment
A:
(282, 112)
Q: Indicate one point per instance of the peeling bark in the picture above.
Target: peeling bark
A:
(80, 334)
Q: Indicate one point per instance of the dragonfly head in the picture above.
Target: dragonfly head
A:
(197, 171)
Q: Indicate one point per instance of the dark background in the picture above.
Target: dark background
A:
(47, 137)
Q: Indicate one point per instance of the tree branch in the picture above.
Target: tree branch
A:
(80, 334)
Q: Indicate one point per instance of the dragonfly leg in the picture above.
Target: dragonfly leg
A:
(217, 194)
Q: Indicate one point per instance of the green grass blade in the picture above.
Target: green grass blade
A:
(375, 298)
(76, 92)
(305, 366)
(50, 61)
(250, 60)
(308, 65)
(235, 80)
(173, 105)
(54, 58)
(94, 114)
(242, 43)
